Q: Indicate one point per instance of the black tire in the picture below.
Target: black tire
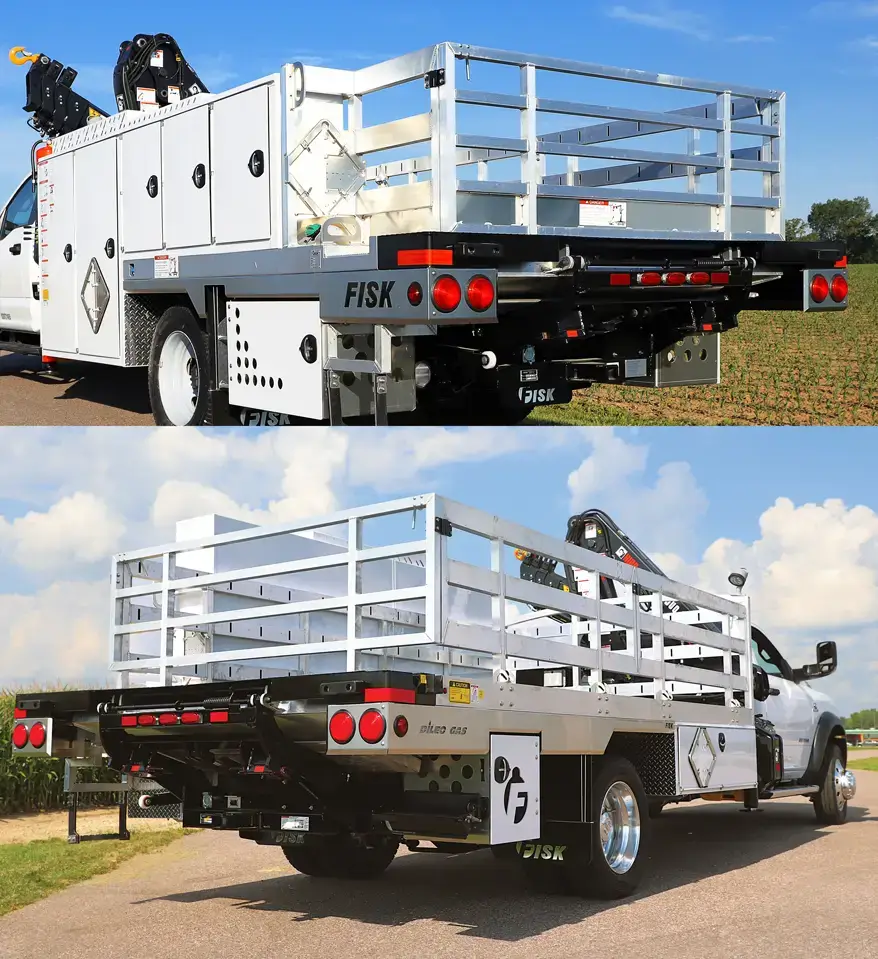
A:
(597, 878)
(341, 857)
(829, 804)
(655, 808)
(179, 321)
(308, 860)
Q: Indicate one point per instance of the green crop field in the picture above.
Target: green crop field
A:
(778, 369)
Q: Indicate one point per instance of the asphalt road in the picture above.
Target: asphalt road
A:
(722, 883)
(71, 394)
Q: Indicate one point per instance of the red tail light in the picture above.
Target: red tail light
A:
(129, 720)
(19, 736)
(146, 719)
(400, 726)
(219, 716)
(190, 718)
(819, 288)
(719, 279)
(620, 279)
(168, 719)
(415, 294)
(38, 735)
(649, 279)
(373, 726)
(342, 727)
(699, 279)
(446, 294)
(838, 288)
(675, 279)
(480, 294)
(19, 713)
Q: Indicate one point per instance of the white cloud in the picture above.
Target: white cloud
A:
(665, 17)
(660, 512)
(57, 635)
(751, 38)
(76, 529)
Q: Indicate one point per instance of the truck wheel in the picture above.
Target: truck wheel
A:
(340, 857)
(831, 803)
(178, 374)
(620, 835)
(307, 860)
(655, 808)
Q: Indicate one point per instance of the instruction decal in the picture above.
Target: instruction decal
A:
(515, 788)
(603, 213)
(166, 267)
(459, 692)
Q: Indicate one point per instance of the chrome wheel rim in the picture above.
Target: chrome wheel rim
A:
(179, 378)
(842, 787)
(620, 827)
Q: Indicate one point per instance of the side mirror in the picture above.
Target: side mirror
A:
(761, 689)
(827, 663)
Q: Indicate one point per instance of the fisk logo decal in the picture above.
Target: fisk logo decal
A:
(536, 396)
(511, 776)
(370, 295)
(529, 850)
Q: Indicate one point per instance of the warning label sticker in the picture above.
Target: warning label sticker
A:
(146, 95)
(173, 94)
(603, 213)
(166, 267)
(157, 59)
(459, 692)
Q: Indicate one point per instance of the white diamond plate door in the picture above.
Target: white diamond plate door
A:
(95, 295)
(702, 757)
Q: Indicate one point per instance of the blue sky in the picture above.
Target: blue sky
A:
(823, 54)
(797, 507)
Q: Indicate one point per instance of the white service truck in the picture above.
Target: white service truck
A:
(425, 235)
(341, 686)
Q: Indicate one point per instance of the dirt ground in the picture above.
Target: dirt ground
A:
(53, 825)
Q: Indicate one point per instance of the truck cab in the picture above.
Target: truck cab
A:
(19, 266)
(792, 706)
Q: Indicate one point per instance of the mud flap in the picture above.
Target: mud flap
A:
(515, 788)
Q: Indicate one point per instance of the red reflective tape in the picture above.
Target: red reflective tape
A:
(19, 713)
(219, 716)
(425, 258)
(719, 279)
(572, 334)
(629, 560)
(707, 327)
(386, 695)
(842, 263)
(259, 769)
(620, 279)
(129, 720)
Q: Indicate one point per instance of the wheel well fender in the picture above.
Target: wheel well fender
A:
(829, 730)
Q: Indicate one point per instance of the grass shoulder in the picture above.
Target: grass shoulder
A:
(32, 870)
(870, 764)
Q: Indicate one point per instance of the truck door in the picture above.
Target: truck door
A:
(19, 310)
(790, 710)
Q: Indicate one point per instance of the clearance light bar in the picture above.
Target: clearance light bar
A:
(672, 278)
(425, 258)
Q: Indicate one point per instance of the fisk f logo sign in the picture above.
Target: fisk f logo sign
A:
(515, 800)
